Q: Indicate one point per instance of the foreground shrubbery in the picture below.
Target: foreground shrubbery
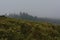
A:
(13, 29)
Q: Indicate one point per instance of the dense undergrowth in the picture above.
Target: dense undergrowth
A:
(18, 29)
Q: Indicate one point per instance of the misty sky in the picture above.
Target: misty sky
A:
(40, 8)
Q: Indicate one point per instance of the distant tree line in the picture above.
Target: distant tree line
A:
(24, 15)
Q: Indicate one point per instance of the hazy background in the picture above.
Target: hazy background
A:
(40, 8)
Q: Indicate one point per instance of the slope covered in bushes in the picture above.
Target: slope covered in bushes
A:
(18, 29)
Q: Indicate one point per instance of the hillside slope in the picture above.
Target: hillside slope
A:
(18, 29)
(27, 16)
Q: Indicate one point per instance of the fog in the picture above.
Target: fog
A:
(40, 8)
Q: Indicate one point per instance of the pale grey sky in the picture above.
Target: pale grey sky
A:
(40, 8)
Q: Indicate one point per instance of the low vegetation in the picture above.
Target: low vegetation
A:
(18, 29)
